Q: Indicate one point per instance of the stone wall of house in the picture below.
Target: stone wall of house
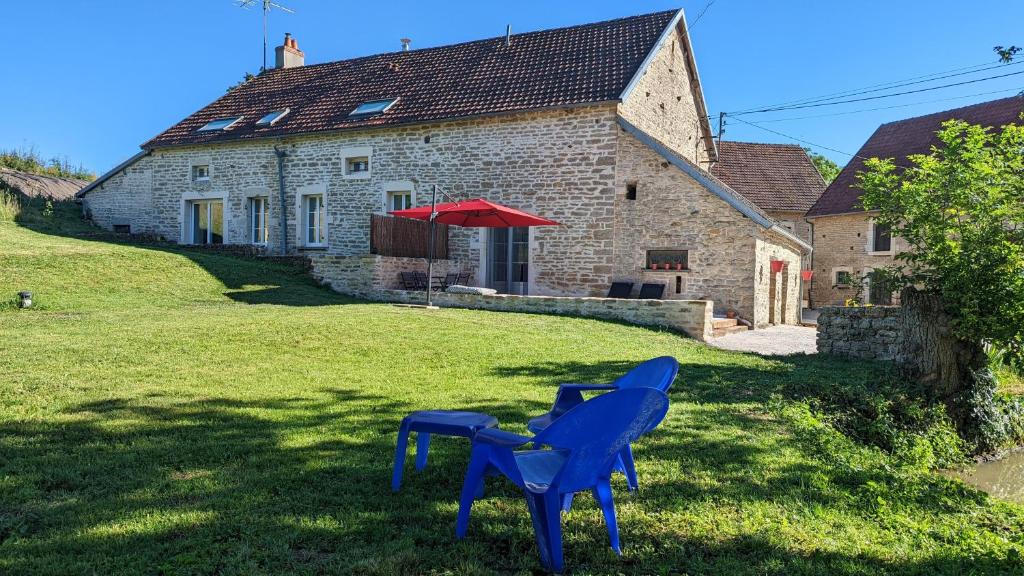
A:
(558, 163)
(800, 226)
(664, 102)
(843, 243)
(871, 333)
(126, 199)
(776, 294)
(672, 211)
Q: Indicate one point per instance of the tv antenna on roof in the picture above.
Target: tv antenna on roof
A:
(267, 5)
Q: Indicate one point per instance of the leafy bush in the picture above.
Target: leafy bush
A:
(30, 161)
(10, 207)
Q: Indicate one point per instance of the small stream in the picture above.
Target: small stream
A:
(1002, 478)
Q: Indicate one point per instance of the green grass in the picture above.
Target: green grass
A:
(172, 412)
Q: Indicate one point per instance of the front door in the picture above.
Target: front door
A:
(508, 258)
(879, 292)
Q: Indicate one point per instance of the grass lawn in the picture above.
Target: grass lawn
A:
(177, 412)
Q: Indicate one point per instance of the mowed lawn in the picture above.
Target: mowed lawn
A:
(176, 412)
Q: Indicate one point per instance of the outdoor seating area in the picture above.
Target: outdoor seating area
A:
(417, 281)
(586, 441)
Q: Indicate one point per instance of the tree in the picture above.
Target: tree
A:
(825, 166)
(960, 209)
(248, 76)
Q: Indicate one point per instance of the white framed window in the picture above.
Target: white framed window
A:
(399, 195)
(220, 124)
(206, 221)
(314, 221)
(356, 163)
(259, 232)
(271, 118)
(399, 200)
(200, 172)
(879, 239)
(373, 107)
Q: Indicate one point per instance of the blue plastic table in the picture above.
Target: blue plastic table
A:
(443, 422)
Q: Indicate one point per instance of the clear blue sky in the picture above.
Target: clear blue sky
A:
(92, 80)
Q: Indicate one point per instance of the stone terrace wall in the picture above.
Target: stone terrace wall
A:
(366, 276)
(871, 333)
(694, 317)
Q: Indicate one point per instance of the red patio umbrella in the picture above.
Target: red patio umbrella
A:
(476, 213)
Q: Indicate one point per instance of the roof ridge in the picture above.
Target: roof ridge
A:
(958, 109)
(403, 53)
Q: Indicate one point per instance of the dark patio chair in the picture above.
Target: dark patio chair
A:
(464, 278)
(421, 279)
(409, 281)
(651, 291)
(620, 290)
(450, 279)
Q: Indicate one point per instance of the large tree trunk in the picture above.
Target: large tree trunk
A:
(931, 353)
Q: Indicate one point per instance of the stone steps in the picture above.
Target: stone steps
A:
(723, 326)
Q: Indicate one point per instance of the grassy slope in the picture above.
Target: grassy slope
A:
(185, 413)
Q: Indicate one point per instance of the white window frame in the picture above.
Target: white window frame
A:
(390, 102)
(200, 161)
(353, 153)
(272, 117)
(871, 241)
(185, 213)
(233, 120)
(265, 202)
(399, 187)
(302, 216)
(835, 272)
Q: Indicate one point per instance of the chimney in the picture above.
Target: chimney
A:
(405, 44)
(508, 35)
(288, 54)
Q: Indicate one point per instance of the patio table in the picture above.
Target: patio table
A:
(442, 422)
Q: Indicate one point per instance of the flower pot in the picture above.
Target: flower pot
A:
(777, 266)
(807, 275)
(679, 266)
(730, 313)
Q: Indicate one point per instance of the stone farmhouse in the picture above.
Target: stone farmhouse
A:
(847, 244)
(602, 127)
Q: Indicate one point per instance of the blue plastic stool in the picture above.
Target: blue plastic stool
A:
(443, 422)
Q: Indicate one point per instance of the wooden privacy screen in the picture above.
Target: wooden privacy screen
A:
(404, 237)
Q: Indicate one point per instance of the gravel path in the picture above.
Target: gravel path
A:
(774, 341)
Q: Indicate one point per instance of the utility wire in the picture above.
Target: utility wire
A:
(884, 85)
(866, 98)
(801, 140)
(791, 118)
(701, 15)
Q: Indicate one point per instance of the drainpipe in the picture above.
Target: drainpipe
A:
(281, 155)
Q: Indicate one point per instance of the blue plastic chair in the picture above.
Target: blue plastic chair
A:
(657, 373)
(585, 441)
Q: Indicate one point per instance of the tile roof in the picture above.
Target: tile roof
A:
(902, 138)
(776, 177)
(562, 67)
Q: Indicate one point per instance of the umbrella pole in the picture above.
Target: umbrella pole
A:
(430, 251)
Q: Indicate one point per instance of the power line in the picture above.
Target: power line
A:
(890, 84)
(1019, 90)
(879, 96)
(702, 12)
(813, 101)
(801, 140)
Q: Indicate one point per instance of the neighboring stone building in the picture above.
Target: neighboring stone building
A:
(601, 127)
(847, 244)
(779, 178)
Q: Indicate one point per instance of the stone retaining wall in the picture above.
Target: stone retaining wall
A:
(377, 278)
(871, 332)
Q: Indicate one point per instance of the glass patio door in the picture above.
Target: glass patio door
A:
(208, 222)
(509, 259)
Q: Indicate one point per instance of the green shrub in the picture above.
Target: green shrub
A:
(10, 207)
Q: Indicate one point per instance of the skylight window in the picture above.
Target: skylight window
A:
(273, 117)
(220, 124)
(373, 107)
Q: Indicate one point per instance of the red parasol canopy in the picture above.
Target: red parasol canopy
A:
(476, 213)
